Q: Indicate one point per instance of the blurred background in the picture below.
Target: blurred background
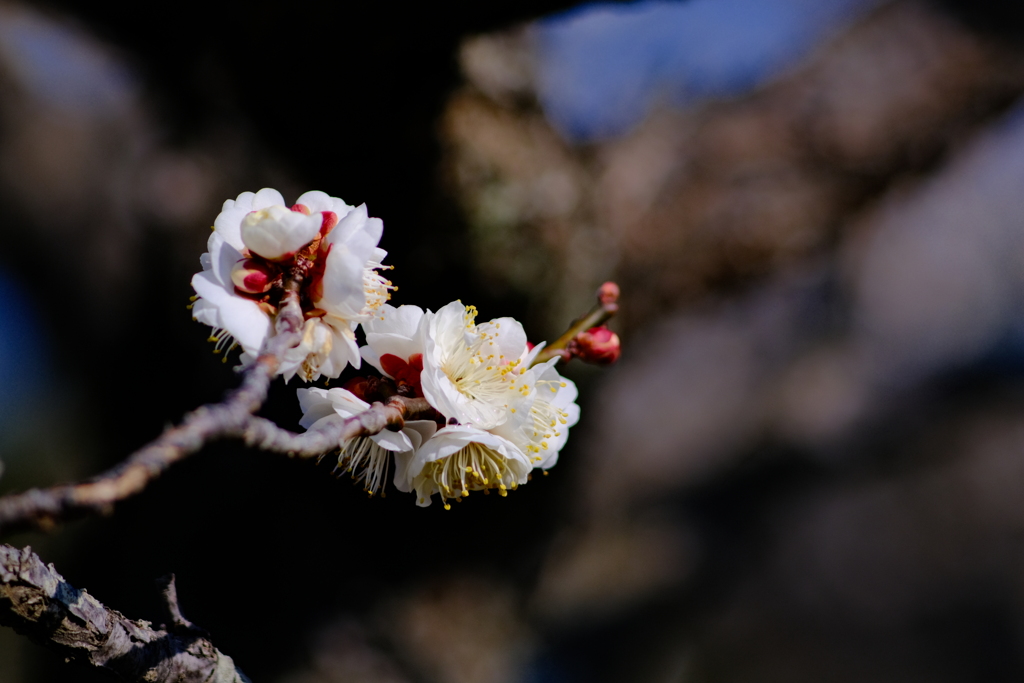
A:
(808, 464)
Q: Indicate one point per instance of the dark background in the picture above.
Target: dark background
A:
(860, 552)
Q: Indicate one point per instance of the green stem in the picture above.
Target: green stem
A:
(598, 315)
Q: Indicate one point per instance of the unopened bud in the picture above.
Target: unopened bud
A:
(598, 345)
(276, 233)
(608, 294)
(254, 276)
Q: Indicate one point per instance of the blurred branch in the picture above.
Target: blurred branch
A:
(36, 602)
(231, 418)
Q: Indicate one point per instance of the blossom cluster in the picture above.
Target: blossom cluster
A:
(498, 413)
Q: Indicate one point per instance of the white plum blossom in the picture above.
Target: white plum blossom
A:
(474, 373)
(459, 459)
(504, 416)
(254, 238)
(540, 427)
(367, 459)
(499, 412)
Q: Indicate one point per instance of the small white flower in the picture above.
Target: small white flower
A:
(254, 237)
(328, 345)
(460, 459)
(472, 372)
(540, 427)
(367, 459)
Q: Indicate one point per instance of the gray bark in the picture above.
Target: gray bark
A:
(37, 602)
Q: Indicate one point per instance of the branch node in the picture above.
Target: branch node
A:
(179, 623)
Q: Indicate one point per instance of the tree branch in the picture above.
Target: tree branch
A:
(37, 602)
(231, 418)
(178, 621)
(43, 508)
(392, 414)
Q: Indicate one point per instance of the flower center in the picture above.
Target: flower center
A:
(476, 368)
(545, 421)
(474, 468)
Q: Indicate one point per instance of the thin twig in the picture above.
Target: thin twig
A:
(265, 435)
(606, 307)
(169, 590)
(45, 507)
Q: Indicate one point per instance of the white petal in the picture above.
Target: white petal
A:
(402, 478)
(268, 196)
(447, 327)
(358, 232)
(315, 406)
(393, 441)
(315, 201)
(509, 336)
(243, 202)
(452, 439)
(346, 403)
(549, 461)
(241, 317)
(343, 292)
(345, 351)
(373, 358)
(223, 256)
(531, 354)
(403, 321)
(276, 232)
(420, 430)
(228, 225)
(391, 343)
(324, 421)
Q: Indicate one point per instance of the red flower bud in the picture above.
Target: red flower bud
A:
(598, 345)
(254, 276)
(608, 294)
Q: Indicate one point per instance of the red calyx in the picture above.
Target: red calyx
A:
(254, 276)
(329, 221)
(315, 278)
(404, 372)
(358, 386)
